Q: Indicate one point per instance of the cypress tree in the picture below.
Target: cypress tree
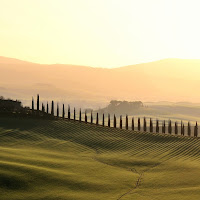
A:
(163, 128)
(114, 121)
(176, 128)
(74, 114)
(63, 111)
(196, 130)
(170, 127)
(103, 120)
(43, 110)
(69, 112)
(108, 120)
(52, 108)
(85, 116)
(32, 103)
(91, 118)
(138, 124)
(126, 122)
(57, 110)
(189, 129)
(151, 126)
(157, 126)
(47, 108)
(97, 119)
(120, 121)
(80, 115)
(181, 127)
(133, 123)
(145, 125)
(38, 102)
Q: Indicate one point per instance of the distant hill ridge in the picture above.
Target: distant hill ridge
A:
(163, 80)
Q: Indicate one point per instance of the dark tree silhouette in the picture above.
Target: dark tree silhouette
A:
(120, 121)
(183, 129)
(157, 126)
(32, 103)
(47, 108)
(74, 114)
(108, 120)
(80, 115)
(97, 119)
(114, 122)
(91, 120)
(57, 110)
(43, 109)
(85, 116)
(69, 114)
(52, 108)
(138, 124)
(103, 120)
(63, 112)
(196, 130)
(145, 125)
(163, 127)
(126, 122)
(151, 126)
(133, 124)
(189, 129)
(170, 127)
(38, 102)
(176, 128)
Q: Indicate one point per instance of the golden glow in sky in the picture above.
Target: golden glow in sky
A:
(99, 33)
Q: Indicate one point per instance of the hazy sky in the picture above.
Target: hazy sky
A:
(101, 33)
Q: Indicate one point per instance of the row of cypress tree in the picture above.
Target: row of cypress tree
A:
(151, 127)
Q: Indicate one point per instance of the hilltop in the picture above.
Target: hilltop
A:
(164, 80)
(61, 159)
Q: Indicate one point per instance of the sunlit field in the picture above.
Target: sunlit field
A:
(57, 159)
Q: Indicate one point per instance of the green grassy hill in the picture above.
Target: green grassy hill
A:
(46, 159)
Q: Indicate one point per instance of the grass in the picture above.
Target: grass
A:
(56, 159)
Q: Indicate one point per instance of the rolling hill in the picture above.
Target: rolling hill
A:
(61, 159)
(164, 80)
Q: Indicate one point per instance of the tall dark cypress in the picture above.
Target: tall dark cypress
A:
(52, 108)
(196, 130)
(138, 124)
(32, 103)
(74, 114)
(163, 127)
(114, 122)
(97, 119)
(157, 126)
(69, 114)
(170, 127)
(57, 110)
(63, 111)
(126, 122)
(91, 120)
(38, 102)
(80, 115)
(176, 128)
(43, 108)
(145, 125)
(103, 120)
(85, 116)
(189, 129)
(47, 107)
(108, 120)
(181, 128)
(133, 124)
(151, 126)
(120, 122)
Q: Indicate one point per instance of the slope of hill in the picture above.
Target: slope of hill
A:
(168, 80)
(42, 159)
